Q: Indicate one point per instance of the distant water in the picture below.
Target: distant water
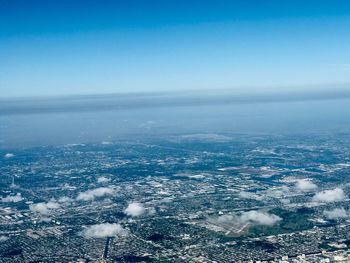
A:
(26, 130)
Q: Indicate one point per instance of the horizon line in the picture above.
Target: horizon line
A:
(132, 100)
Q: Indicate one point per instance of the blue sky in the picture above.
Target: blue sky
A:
(63, 47)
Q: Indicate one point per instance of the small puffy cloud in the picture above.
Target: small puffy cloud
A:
(12, 198)
(104, 230)
(103, 179)
(328, 196)
(166, 200)
(229, 222)
(94, 193)
(336, 213)
(224, 219)
(44, 208)
(249, 195)
(304, 185)
(135, 209)
(276, 192)
(245, 195)
(151, 211)
(236, 222)
(3, 238)
(65, 200)
(259, 218)
(9, 155)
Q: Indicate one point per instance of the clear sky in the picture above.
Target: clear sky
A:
(85, 47)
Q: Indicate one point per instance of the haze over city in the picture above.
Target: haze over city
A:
(174, 131)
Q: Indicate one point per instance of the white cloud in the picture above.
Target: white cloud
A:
(135, 209)
(236, 222)
(151, 211)
(246, 195)
(305, 185)
(65, 200)
(44, 208)
(166, 200)
(224, 219)
(328, 196)
(250, 195)
(104, 230)
(3, 238)
(103, 179)
(275, 192)
(9, 155)
(12, 198)
(259, 218)
(92, 194)
(336, 213)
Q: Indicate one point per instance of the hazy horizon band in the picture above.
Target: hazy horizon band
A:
(123, 101)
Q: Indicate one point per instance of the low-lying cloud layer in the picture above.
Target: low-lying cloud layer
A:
(135, 209)
(329, 196)
(104, 230)
(94, 193)
(105, 102)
